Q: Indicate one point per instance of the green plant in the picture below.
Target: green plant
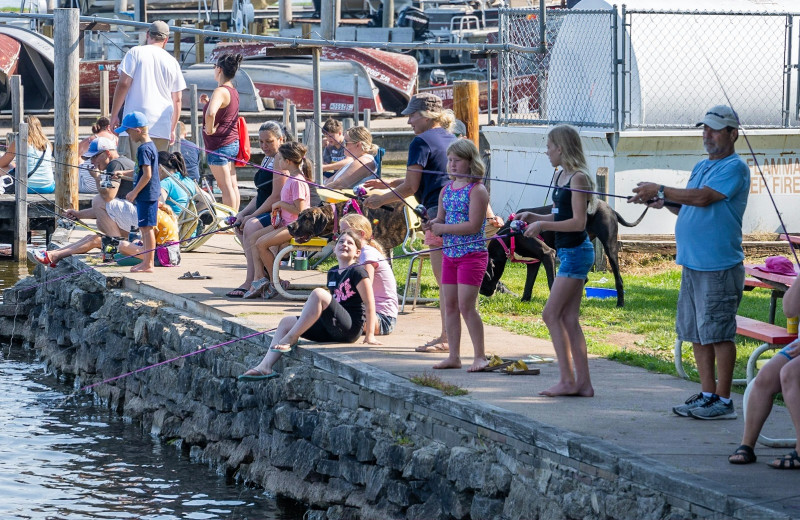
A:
(434, 381)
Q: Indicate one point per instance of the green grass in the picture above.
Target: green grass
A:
(640, 334)
(434, 381)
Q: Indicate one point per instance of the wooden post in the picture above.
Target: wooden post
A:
(47, 30)
(194, 120)
(199, 45)
(286, 119)
(284, 14)
(104, 93)
(176, 42)
(223, 26)
(66, 23)
(388, 13)
(316, 53)
(367, 118)
(305, 31)
(329, 18)
(465, 106)
(293, 118)
(20, 245)
(355, 99)
(17, 101)
(19, 248)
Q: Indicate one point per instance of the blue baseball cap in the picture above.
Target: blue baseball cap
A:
(132, 120)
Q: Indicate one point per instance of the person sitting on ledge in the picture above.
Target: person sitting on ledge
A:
(166, 238)
(780, 374)
(337, 316)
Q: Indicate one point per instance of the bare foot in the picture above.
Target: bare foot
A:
(564, 389)
(141, 268)
(478, 365)
(448, 363)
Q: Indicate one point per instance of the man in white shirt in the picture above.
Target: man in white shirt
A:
(151, 82)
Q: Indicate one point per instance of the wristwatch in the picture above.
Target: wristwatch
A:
(660, 193)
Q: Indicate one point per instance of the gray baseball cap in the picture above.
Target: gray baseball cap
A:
(159, 28)
(719, 117)
(423, 101)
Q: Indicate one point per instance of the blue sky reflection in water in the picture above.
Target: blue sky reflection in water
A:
(76, 460)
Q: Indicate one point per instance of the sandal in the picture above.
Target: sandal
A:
(41, 256)
(256, 288)
(744, 454)
(790, 461)
(239, 292)
(270, 292)
(283, 348)
(188, 275)
(438, 347)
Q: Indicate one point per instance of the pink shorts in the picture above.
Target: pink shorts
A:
(465, 270)
(432, 240)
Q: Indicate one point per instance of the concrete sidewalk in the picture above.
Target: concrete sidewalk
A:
(631, 407)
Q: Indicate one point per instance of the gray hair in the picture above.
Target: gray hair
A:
(272, 127)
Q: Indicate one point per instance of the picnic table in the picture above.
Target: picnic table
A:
(779, 283)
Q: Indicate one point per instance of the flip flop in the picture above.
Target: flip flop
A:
(496, 367)
(529, 372)
(533, 358)
(432, 348)
(260, 376)
(188, 275)
(282, 348)
(237, 293)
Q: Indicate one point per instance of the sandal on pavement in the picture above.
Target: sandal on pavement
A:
(270, 292)
(438, 347)
(255, 374)
(188, 275)
(256, 288)
(41, 256)
(237, 293)
(790, 461)
(744, 454)
(283, 348)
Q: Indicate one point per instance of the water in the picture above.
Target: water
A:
(73, 459)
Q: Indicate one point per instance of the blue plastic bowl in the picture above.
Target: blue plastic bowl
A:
(599, 292)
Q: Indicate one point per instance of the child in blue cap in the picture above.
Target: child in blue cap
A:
(147, 186)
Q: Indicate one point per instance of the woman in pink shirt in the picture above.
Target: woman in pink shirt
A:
(295, 197)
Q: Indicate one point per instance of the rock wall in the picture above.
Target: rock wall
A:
(349, 440)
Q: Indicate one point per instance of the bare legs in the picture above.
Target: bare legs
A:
(262, 255)
(148, 257)
(225, 175)
(290, 328)
(724, 354)
(438, 344)
(83, 245)
(251, 232)
(560, 314)
(461, 300)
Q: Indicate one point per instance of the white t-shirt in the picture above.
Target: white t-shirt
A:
(384, 285)
(156, 75)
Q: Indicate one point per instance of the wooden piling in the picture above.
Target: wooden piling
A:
(19, 248)
(199, 45)
(176, 42)
(17, 101)
(105, 94)
(293, 119)
(316, 54)
(355, 99)
(466, 97)
(367, 118)
(66, 23)
(284, 14)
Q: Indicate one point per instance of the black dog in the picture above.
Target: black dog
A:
(602, 224)
(388, 224)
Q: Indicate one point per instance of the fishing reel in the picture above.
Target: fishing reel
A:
(422, 212)
(109, 247)
(517, 226)
(231, 220)
(106, 182)
(360, 191)
(65, 223)
(6, 181)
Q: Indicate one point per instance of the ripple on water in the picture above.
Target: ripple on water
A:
(69, 459)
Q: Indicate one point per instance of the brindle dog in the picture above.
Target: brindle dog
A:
(602, 224)
(388, 224)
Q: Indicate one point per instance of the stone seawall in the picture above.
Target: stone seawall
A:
(349, 440)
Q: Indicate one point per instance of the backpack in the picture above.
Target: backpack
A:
(244, 143)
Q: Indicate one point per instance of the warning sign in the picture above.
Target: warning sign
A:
(782, 174)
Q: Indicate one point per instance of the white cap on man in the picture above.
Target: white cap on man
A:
(98, 146)
(719, 117)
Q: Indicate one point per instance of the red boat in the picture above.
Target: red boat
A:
(9, 57)
(394, 74)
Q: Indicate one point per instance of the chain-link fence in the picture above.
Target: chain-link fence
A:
(677, 62)
(571, 81)
(649, 69)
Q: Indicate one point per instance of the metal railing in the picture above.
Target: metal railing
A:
(647, 68)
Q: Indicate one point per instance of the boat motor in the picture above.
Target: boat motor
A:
(415, 18)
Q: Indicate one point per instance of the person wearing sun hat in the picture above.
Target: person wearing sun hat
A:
(708, 238)
(426, 175)
(150, 82)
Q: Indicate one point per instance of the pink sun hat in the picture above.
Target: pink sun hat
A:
(778, 265)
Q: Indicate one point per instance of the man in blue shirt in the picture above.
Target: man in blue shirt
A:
(708, 237)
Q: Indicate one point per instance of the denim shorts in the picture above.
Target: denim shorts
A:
(224, 155)
(575, 262)
(707, 305)
(386, 324)
(785, 350)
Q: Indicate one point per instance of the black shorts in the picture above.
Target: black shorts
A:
(336, 325)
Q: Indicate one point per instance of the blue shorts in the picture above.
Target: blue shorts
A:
(386, 324)
(576, 261)
(147, 212)
(264, 219)
(785, 350)
(45, 189)
(224, 155)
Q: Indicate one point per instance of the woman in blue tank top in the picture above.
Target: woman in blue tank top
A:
(571, 204)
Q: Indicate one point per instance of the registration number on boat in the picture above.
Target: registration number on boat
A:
(341, 106)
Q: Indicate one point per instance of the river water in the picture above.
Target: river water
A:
(73, 459)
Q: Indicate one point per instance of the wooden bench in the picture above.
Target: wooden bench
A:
(774, 337)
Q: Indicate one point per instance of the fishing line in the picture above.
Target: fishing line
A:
(753, 153)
